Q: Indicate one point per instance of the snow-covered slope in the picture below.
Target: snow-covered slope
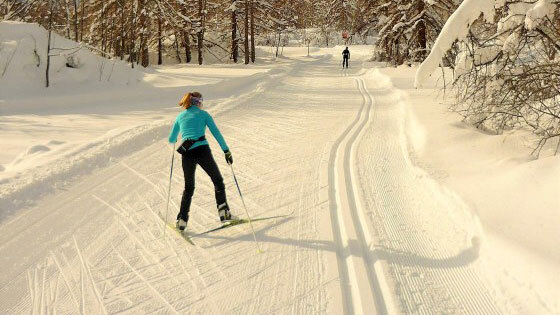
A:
(23, 62)
(80, 123)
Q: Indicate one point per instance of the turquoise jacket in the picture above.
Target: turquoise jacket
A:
(192, 125)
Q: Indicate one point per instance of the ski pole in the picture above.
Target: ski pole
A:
(169, 188)
(245, 207)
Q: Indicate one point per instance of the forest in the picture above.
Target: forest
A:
(504, 54)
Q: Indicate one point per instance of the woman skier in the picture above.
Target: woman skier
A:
(191, 123)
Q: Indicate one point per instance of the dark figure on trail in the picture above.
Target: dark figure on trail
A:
(192, 123)
(345, 57)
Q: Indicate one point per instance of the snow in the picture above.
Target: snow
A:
(513, 195)
(455, 28)
(511, 43)
(24, 59)
(393, 205)
(110, 118)
(540, 10)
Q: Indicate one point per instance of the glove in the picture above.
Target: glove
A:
(229, 157)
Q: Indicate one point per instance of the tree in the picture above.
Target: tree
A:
(234, 39)
(246, 30)
(252, 13)
(200, 30)
(506, 73)
(50, 14)
(407, 27)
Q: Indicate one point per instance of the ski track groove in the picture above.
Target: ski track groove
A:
(92, 282)
(61, 272)
(156, 187)
(157, 293)
(139, 282)
(351, 267)
(455, 288)
(178, 257)
(8, 238)
(296, 262)
(155, 260)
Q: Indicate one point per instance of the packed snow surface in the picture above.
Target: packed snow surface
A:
(388, 203)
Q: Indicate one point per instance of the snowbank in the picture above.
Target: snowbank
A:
(540, 10)
(456, 28)
(515, 196)
(23, 62)
(23, 189)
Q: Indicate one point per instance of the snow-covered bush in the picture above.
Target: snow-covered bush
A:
(507, 70)
(73, 61)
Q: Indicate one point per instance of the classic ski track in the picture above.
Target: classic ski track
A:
(168, 273)
(423, 289)
(348, 222)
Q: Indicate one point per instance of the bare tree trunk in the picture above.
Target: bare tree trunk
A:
(252, 31)
(246, 41)
(177, 52)
(76, 34)
(421, 32)
(132, 49)
(67, 7)
(187, 43)
(49, 42)
(103, 32)
(123, 36)
(160, 46)
(144, 57)
(200, 35)
(111, 36)
(82, 20)
(278, 44)
(234, 40)
(145, 53)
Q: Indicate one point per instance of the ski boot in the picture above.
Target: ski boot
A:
(181, 224)
(223, 212)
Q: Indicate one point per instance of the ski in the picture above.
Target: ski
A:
(183, 234)
(235, 222)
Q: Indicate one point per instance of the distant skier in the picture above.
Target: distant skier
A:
(345, 57)
(195, 150)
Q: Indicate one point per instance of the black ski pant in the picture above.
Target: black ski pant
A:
(345, 62)
(202, 156)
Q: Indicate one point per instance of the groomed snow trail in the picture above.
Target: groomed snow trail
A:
(97, 247)
(368, 233)
(428, 239)
(360, 285)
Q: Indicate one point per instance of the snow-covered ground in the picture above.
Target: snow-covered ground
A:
(515, 196)
(392, 204)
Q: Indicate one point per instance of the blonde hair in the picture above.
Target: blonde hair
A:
(185, 101)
